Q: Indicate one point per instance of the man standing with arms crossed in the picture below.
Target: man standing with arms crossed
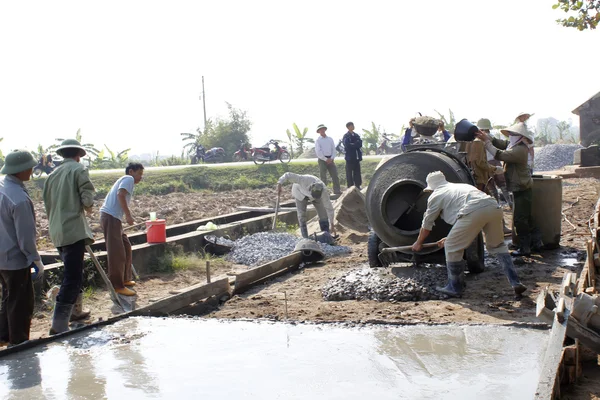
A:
(325, 149)
(68, 194)
(18, 252)
(353, 145)
(118, 246)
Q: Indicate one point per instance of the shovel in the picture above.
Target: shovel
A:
(111, 290)
(406, 248)
(276, 211)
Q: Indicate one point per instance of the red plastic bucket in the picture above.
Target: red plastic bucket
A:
(156, 231)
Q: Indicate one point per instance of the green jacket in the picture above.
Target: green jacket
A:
(66, 192)
(516, 171)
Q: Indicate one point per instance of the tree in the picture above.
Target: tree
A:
(564, 132)
(587, 13)
(90, 149)
(298, 138)
(194, 140)
(227, 133)
(450, 122)
(544, 132)
(41, 151)
(371, 138)
(110, 159)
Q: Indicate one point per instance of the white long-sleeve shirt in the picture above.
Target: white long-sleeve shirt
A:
(325, 148)
(301, 190)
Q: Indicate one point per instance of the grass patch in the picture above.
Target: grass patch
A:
(88, 292)
(192, 179)
(175, 260)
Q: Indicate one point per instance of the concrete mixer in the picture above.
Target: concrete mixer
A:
(396, 203)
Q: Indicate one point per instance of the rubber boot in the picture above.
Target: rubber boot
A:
(304, 231)
(524, 247)
(511, 273)
(78, 312)
(456, 272)
(125, 291)
(324, 225)
(60, 319)
(536, 241)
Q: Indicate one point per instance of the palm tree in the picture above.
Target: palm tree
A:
(371, 138)
(298, 138)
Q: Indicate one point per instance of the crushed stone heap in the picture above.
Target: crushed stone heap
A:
(554, 156)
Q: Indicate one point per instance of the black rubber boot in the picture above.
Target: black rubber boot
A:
(511, 273)
(304, 231)
(524, 247)
(324, 225)
(537, 244)
(60, 319)
(456, 272)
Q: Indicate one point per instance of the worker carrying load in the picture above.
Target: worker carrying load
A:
(310, 189)
(469, 211)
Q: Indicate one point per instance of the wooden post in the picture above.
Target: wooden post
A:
(285, 301)
(207, 271)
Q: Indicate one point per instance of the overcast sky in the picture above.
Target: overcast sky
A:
(128, 73)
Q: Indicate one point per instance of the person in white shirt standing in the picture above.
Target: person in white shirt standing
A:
(118, 247)
(325, 148)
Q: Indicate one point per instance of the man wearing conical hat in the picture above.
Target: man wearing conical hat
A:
(515, 153)
(68, 195)
(18, 251)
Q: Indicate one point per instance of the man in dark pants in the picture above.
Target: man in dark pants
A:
(515, 152)
(68, 194)
(18, 252)
(353, 145)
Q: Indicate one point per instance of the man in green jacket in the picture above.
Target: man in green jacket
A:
(68, 194)
(515, 152)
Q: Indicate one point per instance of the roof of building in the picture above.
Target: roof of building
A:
(586, 104)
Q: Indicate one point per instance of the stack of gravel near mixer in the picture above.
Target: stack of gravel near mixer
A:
(263, 247)
(381, 285)
(554, 156)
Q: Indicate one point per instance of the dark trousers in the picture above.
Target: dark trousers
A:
(72, 258)
(353, 173)
(522, 218)
(118, 250)
(16, 310)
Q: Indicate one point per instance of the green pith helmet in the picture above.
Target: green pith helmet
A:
(17, 161)
(71, 144)
(484, 123)
(321, 126)
(316, 190)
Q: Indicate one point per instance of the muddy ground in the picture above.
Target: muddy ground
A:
(487, 299)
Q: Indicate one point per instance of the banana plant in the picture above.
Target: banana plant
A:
(110, 159)
(298, 138)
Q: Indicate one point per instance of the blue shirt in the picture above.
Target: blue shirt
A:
(17, 226)
(111, 204)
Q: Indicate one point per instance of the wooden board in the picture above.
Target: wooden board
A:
(549, 384)
(245, 279)
(188, 296)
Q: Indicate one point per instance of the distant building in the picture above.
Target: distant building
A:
(589, 120)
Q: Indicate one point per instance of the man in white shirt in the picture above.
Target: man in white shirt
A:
(325, 148)
(305, 189)
(469, 211)
(118, 247)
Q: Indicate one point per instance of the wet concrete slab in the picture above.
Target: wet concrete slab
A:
(142, 358)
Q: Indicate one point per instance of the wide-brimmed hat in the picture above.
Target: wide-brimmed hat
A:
(523, 114)
(434, 180)
(316, 190)
(17, 161)
(321, 126)
(71, 144)
(484, 123)
(518, 129)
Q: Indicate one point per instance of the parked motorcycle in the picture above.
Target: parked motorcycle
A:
(243, 154)
(215, 155)
(47, 166)
(389, 145)
(264, 154)
(341, 150)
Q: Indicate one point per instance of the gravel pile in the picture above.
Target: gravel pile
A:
(554, 156)
(263, 247)
(381, 285)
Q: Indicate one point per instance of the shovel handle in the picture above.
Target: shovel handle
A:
(111, 289)
(276, 211)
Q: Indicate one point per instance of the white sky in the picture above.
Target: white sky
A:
(128, 73)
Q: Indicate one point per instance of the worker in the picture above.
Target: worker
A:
(310, 189)
(18, 252)
(118, 247)
(68, 194)
(485, 125)
(469, 211)
(325, 149)
(514, 153)
(353, 156)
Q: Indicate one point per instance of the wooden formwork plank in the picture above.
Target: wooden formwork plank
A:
(189, 295)
(245, 279)
(589, 262)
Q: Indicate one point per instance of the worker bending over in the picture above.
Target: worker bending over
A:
(118, 247)
(469, 211)
(310, 189)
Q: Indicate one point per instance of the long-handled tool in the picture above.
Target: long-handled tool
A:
(126, 229)
(406, 248)
(276, 211)
(111, 289)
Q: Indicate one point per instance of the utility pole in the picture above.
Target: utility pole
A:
(204, 102)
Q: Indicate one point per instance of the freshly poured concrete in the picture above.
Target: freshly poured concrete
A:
(143, 358)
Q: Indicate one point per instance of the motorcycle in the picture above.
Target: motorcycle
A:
(389, 145)
(341, 150)
(215, 155)
(45, 167)
(243, 153)
(262, 154)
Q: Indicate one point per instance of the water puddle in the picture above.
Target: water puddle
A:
(143, 358)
